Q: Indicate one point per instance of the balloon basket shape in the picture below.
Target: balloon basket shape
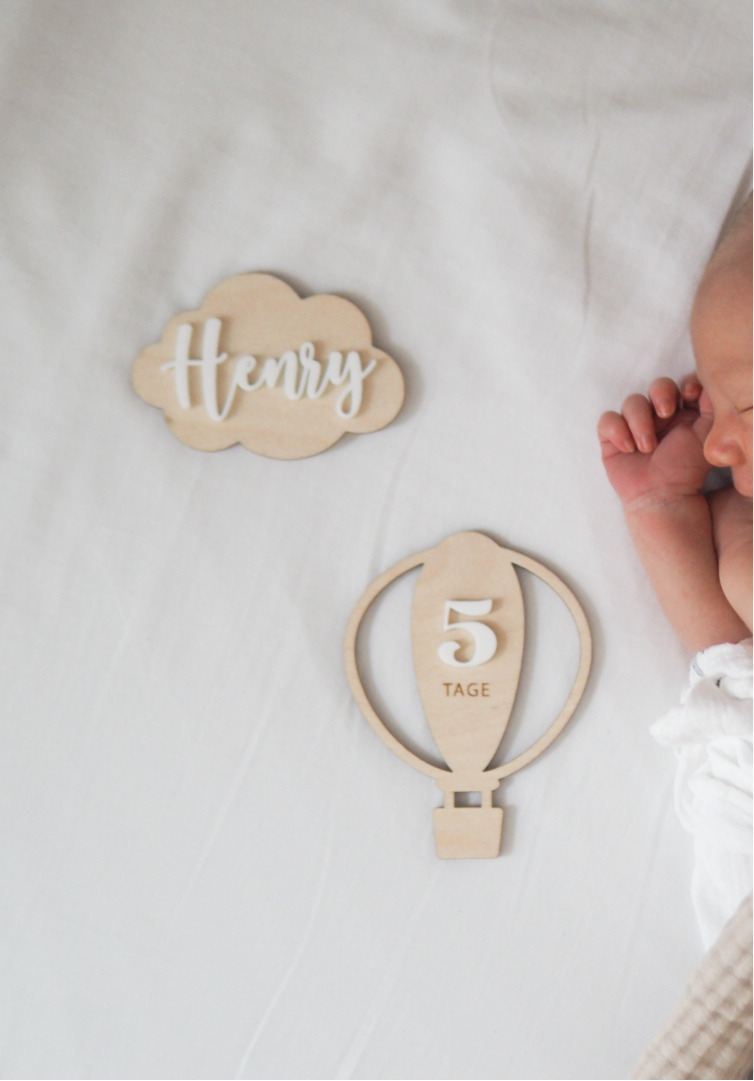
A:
(468, 832)
(468, 682)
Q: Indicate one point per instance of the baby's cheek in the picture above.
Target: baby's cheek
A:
(742, 480)
(747, 443)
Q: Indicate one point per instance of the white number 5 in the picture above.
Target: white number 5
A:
(485, 640)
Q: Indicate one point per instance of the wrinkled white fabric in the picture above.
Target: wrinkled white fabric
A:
(211, 866)
(711, 732)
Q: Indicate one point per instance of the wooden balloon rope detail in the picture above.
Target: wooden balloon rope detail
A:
(468, 831)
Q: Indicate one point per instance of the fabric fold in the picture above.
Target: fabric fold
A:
(711, 733)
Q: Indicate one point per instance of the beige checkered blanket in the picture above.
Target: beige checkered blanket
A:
(709, 1034)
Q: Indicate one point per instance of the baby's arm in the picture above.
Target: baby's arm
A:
(732, 534)
(652, 453)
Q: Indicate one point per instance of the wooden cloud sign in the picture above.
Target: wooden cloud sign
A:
(467, 628)
(256, 364)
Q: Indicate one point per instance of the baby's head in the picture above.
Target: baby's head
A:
(721, 330)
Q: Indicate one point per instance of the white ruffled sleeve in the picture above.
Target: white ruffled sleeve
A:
(711, 732)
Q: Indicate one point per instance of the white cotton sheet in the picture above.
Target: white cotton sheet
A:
(211, 867)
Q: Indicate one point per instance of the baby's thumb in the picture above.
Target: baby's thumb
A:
(705, 404)
(702, 426)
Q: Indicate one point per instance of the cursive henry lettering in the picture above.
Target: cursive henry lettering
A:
(299, 372)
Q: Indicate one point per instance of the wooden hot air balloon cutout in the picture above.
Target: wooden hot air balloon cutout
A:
(467, 628)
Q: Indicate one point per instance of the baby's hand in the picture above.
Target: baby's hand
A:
(653, 456)
(652, 450)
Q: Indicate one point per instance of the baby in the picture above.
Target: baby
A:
(697, 551)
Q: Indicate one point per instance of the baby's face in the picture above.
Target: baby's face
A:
(721, 330)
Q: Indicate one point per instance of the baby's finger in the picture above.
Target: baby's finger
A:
(614, 435)
(691, 388)
(663, 394)
(639, 416)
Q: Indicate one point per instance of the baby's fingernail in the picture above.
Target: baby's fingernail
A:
(665, 408)
(628, 446)
(647, 443)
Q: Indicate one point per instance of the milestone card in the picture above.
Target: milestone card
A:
(467, 631)
(256, 364)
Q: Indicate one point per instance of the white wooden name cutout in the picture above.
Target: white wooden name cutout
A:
(469, 576)
(256, 364)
